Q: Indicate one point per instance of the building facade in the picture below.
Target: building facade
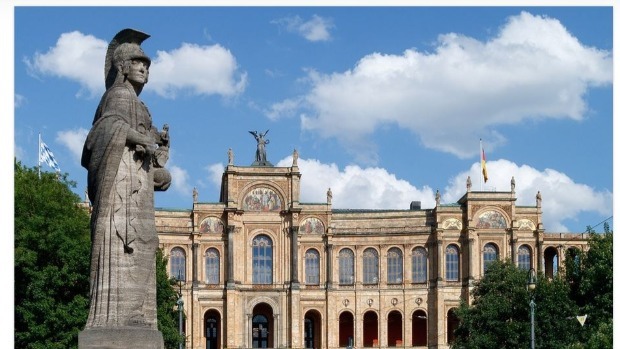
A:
(263, 270)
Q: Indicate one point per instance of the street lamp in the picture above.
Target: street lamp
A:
(180, 307)
(531, 285)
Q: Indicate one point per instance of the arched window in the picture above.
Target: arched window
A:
(452, 263)
(177, 263)
(212, 266)
(524, 256)
(419, 265)
(395, 265)
(346, 265)
(453, 323)
(262, 260)
(312, 267)
(489, 255)
(371, 266)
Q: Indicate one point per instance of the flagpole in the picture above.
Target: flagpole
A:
(39, 156)
(481, 174)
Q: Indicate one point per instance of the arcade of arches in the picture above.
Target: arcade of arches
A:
(263, 270)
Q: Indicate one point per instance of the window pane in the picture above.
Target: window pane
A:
(346, 267)
(212, 266)
(371, 266)
(177, 263)
(262, 260)
(419, 265)
(489, 255)
(395, 266)
(312, 267)
(452, 263)
(523, 257)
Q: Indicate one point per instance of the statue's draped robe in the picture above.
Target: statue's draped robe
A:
(124, 239)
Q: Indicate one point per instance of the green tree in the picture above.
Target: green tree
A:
(590, 276)
(499, 316)
(52, 249)
(52, 266)
(167, 313)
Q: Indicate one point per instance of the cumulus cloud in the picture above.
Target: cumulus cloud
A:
(562, 197)
(76, 56)
(215, 174)
(199, 70)
(180, 180)
(315, 29)
(532, 69)
(74, 141)
(191, 68)
(357, 187)
(19, 100)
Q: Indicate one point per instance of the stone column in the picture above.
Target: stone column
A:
(470, 259)
(539, 254)
(440, 262)
(195, 253)
(294, 258)
(328, 265)
(230, 281)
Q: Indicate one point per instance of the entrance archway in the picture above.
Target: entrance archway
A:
(395, 329)
(551, 262)
(371, 329)
(212, 329)
(312, 329)
(419, 328)
(345, 329)
(262, 326)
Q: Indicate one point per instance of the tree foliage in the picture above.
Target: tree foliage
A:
(52, 266)
(499, 316)
(167, 314)
(590, 276)
(52, 249)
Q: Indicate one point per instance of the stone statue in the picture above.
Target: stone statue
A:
(231, 156)
(195, 195)
(437, 197)
(295, 157)
(538, 199)
(512, 184)
(329, 195)
(468, 183)
(124, 155)
(261, 151)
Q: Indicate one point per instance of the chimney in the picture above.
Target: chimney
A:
(415, 205)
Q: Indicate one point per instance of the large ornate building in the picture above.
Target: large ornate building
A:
(263, 270)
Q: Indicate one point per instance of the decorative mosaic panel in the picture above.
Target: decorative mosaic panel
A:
(311, 226)
(212, 225)
(262, 199)
(491, 220)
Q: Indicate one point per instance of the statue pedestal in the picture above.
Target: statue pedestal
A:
(120, 338)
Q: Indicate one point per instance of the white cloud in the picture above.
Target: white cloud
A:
(75, 56)
(562, 198)
(215, 174)
(19, 100)
(180, 180)
(74, 141)
(315, 29)
(199, 70)
(355, 187)
(533, 69)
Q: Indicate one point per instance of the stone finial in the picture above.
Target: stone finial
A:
(468, 184)
(231, 156)
(538, 199)
(329, 196)
(437, 197)
(295, 157)
(195, 195)
(512, 184)
(86, 194)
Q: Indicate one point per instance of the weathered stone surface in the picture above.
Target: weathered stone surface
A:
(120, 338)
(124, 155)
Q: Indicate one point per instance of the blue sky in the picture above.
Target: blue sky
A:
(385, 105)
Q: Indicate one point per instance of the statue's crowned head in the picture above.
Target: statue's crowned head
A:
(124, 47)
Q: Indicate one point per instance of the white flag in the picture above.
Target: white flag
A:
(46, 155)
